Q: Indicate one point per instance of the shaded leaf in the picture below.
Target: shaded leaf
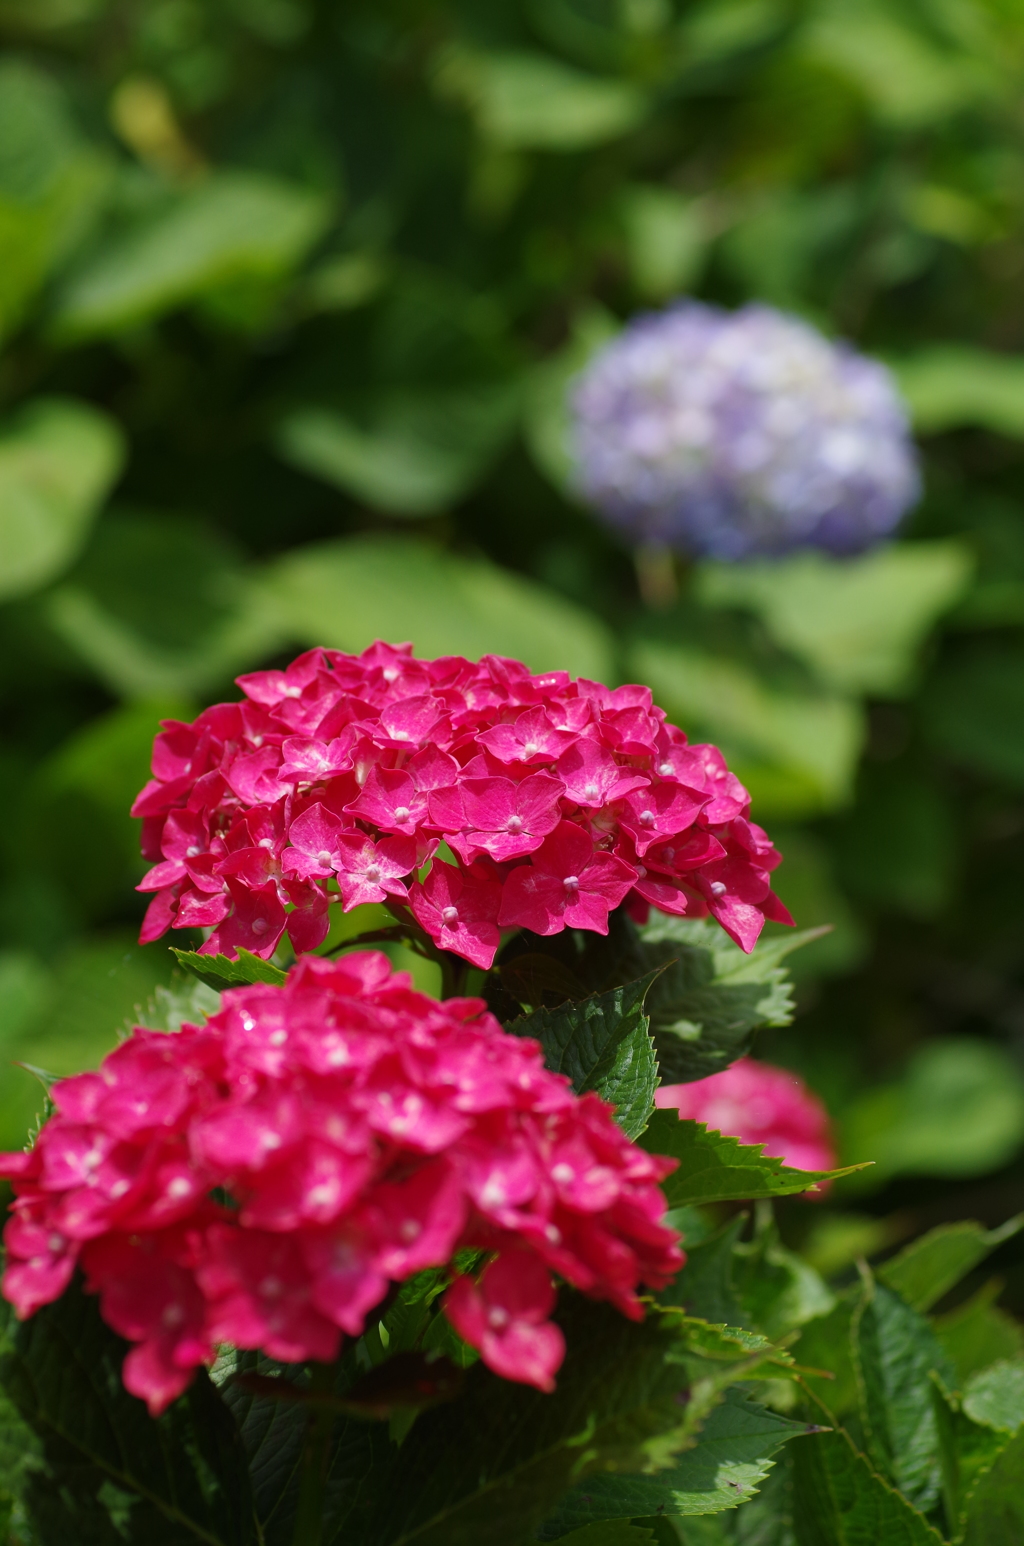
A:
(839, 1500)
(978, 1333)
(949, 385)
(529, 100)
(728, 1460)
(994, 1507)
(966, 1448)
(181, 1477)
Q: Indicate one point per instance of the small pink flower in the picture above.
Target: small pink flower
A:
(567, 882)
(459, 911)
(505, 1315)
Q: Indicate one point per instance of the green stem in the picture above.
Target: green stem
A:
(316, 1456)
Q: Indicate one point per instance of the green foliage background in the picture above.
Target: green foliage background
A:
(289, 295)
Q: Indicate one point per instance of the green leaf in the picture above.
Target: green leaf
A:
(839, 1500)
(994, 1507)
(972, 711)
(51, 186)
(184, 1000)
(547, 393)
(345, 594)
(958, 1111)
(667, 239)
(930, 1266)
(714, 1168)
(523, 100)
(494, 1463)
(173, 1480)
(994, 1396)
(160, 606)
(896, 1353)
(826, 1344)
(233, 229)
(978, 1333)
(858, 623)
(58, 462)
(711, 996)
(949, 385)
(725, 1466)
(418, 453)
(605, 1534)
(602, 1044)
(966, 1449)
(796, 751)
(221, 972)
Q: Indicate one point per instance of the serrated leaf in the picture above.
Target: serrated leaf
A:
(966, 1449)
(716, 1168)
(839, 1500)
(711, 997)
(179, 1478)
(724, 1467)
(896, 1354)
(602, 1044)
(927, 1268)
(994, 1508)
(184, 1000)
(220, 972)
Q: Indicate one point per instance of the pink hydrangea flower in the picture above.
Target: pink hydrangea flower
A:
(262, 1179)
(336, 780)
(759, 1103)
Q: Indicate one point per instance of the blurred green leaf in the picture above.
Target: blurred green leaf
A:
(978, 1333)
(161, 606)
(966, 1450)
(730, 1460)
(957, 1111)
(795, 751)
(609, 1533)
(51, 186)
(995, 1396)
(531, 101)
(547, 389)
(58, 461)
(715, 1168)
(930, 1266)
(420, 451)
(235, 229)
(346, 594)
(950, 385)
(667, 239)
(898, 845)
(972, 710)
(806, 883)
(906, 74)
(858, 623)
(839, 1500)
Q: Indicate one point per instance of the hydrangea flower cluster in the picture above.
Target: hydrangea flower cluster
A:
(260, 1180)
(759, 1103)
(728, 435)
(338, 778)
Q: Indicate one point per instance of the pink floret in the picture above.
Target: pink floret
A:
(262, 1180)
(336, 780)
(759, 1103)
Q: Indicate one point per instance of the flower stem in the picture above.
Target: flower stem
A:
(316, 1455)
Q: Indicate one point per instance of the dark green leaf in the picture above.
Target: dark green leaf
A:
(931, 1265)
(602, 1044)
(606, 1534)
(978, 1333)
(825, 1344)
(725, 1466)
(715, 1168)
(112, 1472)
(966, 1448)
(838, 1500)
(220, 972)
(994, 1508)
(896, 1353)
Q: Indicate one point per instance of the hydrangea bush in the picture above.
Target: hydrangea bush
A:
(728, 435)
(392, 1269)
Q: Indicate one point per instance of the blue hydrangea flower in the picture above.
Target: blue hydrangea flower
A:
(733, 434)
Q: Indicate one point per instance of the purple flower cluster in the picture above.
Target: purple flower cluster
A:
(729, 435)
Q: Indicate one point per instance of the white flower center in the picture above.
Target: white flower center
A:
(449, 915)
(718, 887)
(402, 813)
(571, 882)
